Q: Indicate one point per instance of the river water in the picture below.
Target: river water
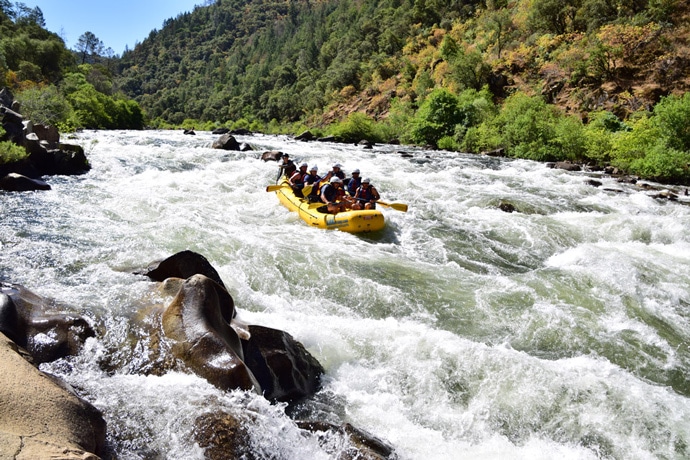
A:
(459, 332)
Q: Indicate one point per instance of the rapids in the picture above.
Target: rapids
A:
(459, 332)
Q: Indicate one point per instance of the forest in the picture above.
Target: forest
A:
(602, 82)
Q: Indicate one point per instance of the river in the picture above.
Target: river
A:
(461, 331)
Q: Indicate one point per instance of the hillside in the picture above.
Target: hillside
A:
(293, 60)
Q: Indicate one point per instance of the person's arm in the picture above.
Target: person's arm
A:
(375, 194)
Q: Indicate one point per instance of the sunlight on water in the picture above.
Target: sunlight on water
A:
(460, 331)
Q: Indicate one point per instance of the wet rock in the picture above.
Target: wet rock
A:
(500, 152)
(43, 417)
(305, 136)
(70, 160)
(189, 132)
(272, 155)
(14, 182)
(244, 147)
(506, 207)
(35, 324)
(182, 265)
(226, 142)
(285, 370)
(594, 183)
(219, 131)
(327, 139)
(47, 133)
(565, 165)
(364, 446)
(198, 322)
(223, 437)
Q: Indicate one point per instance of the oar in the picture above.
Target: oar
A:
(275, 188)
(397, 206)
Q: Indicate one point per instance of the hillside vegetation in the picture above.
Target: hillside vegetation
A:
(597, 81)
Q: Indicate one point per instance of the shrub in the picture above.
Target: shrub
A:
(45, 105)
(356, 127)
(9, 151)
(672, 116)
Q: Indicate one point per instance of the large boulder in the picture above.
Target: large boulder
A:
(39, 326)
(198, 322)
(47, 133)
(283, 367)
(41, 417)
(14, 182)
(272, 155)
(12, 123)
(69, 160)
(182, 265)
(226, 142)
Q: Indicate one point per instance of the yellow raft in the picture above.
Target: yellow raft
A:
(366, 220)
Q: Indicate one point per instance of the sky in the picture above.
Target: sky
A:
(117, 23)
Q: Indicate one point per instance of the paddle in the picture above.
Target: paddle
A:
(275, 188)
(397, 206)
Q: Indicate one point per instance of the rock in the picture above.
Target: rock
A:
(198, 322)
(500, 152)
(367, 144)
(244, 147)
(223, 437)
(565, 165)
(70, 160)
(305, 136)
(226, 142)
(284, 368)
(33, 323)
(14, 182)
(12, 123)
(182, 265)
(42, 417)
(594, 183)
(47, 133)
(6, 97)
(240, 132)
(272, 155)
(327, 139)
(364, 446)
(506, 207)
(219, 131)
(189, 132)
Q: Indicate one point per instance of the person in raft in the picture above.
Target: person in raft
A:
(366, 196)
(335, 172)
(313, 179)
(354, 183)
(296, 181)
(287, 167)
(329, 195)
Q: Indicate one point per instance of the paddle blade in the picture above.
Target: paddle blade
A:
(397, 206)
(274, 188)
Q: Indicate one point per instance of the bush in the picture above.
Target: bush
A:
(46, 105)
(663, 164)
(672, 116)
(9, 151)
(356, 127)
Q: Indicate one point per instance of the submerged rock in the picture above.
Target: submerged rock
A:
(182, 265)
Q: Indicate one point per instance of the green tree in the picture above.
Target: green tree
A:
(89, 47)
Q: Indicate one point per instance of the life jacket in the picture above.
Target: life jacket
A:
(353, 185)
(365, 194)
(329, 192)
(298, 177)
(309, 179)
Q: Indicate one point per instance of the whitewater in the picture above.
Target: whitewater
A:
(461, 331)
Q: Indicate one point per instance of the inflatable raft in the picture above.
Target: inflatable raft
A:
(315, 215)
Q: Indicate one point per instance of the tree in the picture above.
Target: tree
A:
(89, 46)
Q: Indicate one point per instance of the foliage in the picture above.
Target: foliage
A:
(46, 105)
(9, 151)
(355, 128)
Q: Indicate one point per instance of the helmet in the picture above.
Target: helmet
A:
(303, 165)
(356, 171)
(313, 168)
(366, 180)
(336, 180)
(337, 165)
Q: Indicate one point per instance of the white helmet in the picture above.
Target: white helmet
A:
(336, 180)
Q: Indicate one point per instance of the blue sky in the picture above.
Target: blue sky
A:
(116, 23)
